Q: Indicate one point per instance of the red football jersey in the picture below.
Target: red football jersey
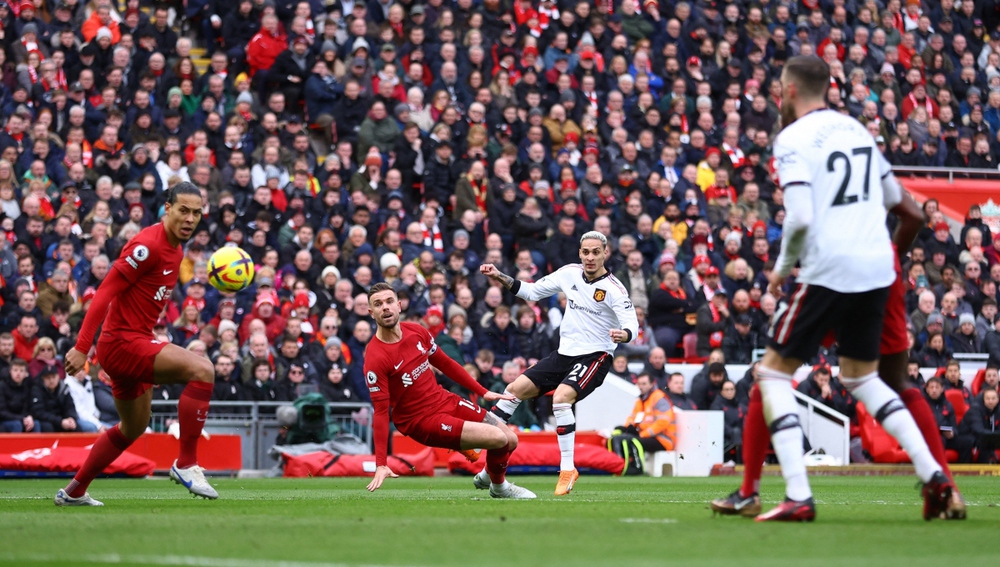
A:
(151, 265)
(401, 373)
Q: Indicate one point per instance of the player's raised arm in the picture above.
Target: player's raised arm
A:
(545, 287)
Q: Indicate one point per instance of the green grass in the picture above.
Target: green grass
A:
(631, 522)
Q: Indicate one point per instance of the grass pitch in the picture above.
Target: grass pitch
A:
(606, 521)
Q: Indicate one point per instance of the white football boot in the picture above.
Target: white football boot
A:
(64, 499)
(193, 478)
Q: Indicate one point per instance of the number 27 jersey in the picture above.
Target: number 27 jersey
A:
(835, 158)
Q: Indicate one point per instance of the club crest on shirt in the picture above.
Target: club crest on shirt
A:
(420, 347)
(371, 378)
(599, 295)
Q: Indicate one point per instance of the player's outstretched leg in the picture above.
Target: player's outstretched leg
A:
(745, 501)
(176, 365)
(562, 410)
(782, 414)
(522, 389)
(890, 412)
(499, 443)
(134, 415)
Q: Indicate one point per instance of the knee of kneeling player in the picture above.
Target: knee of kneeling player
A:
(511, 439)
(497, 439)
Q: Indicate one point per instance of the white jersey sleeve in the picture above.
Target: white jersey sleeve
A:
(545, 287)
(625, 312)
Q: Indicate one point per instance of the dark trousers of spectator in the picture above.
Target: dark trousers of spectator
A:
(15, 426)
(987, 452)
(962, 444)
(667, 339)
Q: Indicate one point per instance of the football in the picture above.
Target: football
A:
(230, 269)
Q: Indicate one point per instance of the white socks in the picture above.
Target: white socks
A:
(504, 408)
(883, 403)
(566, 430)
(781, 412)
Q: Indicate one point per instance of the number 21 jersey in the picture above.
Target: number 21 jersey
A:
(835, 158)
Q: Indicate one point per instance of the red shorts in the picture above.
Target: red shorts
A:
(128, 360)
(894, 339)
(443, 427)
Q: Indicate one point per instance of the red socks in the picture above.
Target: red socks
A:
(192, 409)
(756, 438)
(927, 425)
(106, 449)
(496, 464)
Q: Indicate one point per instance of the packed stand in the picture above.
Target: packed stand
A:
(347, 143)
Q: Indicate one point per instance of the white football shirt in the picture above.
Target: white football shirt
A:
(831, 169)
(593, 308)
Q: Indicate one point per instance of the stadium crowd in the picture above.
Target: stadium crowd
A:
(344, 143)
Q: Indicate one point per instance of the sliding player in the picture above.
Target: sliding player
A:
(398, 371)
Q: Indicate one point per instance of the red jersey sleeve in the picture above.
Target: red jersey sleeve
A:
(450, 368)
(134, 261)
(378, 386)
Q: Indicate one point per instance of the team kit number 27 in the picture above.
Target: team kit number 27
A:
(842, 198)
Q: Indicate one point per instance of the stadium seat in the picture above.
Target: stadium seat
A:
(691, 345)
(958, 402)
(879, 444)
(977, 382)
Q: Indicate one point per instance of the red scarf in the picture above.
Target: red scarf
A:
(735, 155)
(479, 190)
(433, 240)
(715, 339)
(927, 103)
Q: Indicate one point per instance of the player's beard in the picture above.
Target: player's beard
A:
(392, 322)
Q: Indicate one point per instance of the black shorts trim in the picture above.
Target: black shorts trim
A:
(812, 312)
(583, 373)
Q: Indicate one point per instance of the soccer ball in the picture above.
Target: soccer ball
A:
(230, 269)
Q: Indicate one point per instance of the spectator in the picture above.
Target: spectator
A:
(945, 415)
(335, 388)
(935, 354)
(52, 403)
(26, 337)
(712, 318)
(675, 391)
(81, 389)
(981, 420)
(705, 388)
(953, 380)
(15, 400)
(671, 311)
(740, 340)
(656, 366)
(652, 418)
(965, 339)
(45, 357)
(733, 414)
(820, 386)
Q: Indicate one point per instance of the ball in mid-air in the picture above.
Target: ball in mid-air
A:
(230, 269)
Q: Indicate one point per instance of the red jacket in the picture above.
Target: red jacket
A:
(263, 49)
(24, 349)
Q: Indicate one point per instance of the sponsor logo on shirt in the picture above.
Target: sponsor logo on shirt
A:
(163, 293)
(574, 305)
